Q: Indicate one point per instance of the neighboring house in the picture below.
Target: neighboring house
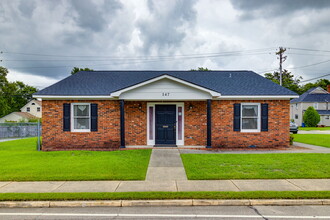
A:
(32, 110)
(102, 110)
(33, 107)
(316, 97)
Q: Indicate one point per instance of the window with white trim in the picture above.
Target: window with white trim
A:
(316, 105)
(28, 109)
(250, 117)
(80, 117)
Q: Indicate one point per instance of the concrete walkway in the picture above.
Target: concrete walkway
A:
(165, 165)
(10, 139)
(305, 148)
(314, 132)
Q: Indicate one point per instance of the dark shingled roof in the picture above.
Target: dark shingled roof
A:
(310, 97)
(323, 112)
(96, 83)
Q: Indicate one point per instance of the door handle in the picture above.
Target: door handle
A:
(165, 126)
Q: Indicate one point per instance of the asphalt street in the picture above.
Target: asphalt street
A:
(198, 212)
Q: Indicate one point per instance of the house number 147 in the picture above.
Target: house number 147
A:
(166, 94)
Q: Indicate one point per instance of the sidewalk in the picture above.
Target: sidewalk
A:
(167, 186)
(166, 173)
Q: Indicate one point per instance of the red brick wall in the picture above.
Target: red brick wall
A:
(108, 135)
(135, 123)
(195, 123)
(106, 138)
(278, 126)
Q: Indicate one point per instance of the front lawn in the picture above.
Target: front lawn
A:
(19, 161)
(256, 166)
(314, 139)
(314, 128)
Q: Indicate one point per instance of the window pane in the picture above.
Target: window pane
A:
(179, 123)
(81, 123)
(81, 110)
(250, 110)
(249, 123)
(151, 122)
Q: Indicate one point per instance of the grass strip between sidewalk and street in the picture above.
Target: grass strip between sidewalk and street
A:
(164, 195)
(314, 139)
(256, 166)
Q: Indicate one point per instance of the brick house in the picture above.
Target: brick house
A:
(102, 110)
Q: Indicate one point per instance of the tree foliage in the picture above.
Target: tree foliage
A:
(13, 95)
(311, 117)
(200, 69)
(77, 69)
(319, 83)
(288, 80)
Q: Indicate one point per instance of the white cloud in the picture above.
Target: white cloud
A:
(142, 28)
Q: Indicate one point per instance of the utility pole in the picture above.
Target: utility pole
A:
(282, 59)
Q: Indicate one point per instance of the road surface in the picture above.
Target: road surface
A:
(197, 212)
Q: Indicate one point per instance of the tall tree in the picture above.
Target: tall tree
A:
(319, 83)
(201, 69)
(77, 69)
(13, 95)
(288, 80)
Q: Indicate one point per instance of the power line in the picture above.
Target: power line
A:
(309, 54)
(315, 78)
(146, 58)
(142, 61)
(116, 57)
(305, 49)
(313, 64)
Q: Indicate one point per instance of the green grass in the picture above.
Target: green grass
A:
(314, 139)
(165, 195)
(256, 166)
(314, 128)
(19, 161)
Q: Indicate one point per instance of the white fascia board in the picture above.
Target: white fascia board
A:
(213, 93)
(58, 97)
(258, 97)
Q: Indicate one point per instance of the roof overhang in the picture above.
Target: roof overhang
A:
(72, 97)
(257, 97)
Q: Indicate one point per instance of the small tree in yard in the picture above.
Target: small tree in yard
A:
(311, 117)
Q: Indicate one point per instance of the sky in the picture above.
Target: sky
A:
(42, 40)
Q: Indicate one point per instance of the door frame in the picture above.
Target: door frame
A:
(151, 128)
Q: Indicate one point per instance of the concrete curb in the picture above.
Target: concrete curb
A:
(181, 202)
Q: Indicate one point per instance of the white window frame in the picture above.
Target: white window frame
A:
(38, 109)
(258, 121)
(72, 117)
(315, 105)
(28, 109)
(153, 104)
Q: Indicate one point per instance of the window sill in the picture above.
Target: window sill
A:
(81, 131)
(250, 131)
